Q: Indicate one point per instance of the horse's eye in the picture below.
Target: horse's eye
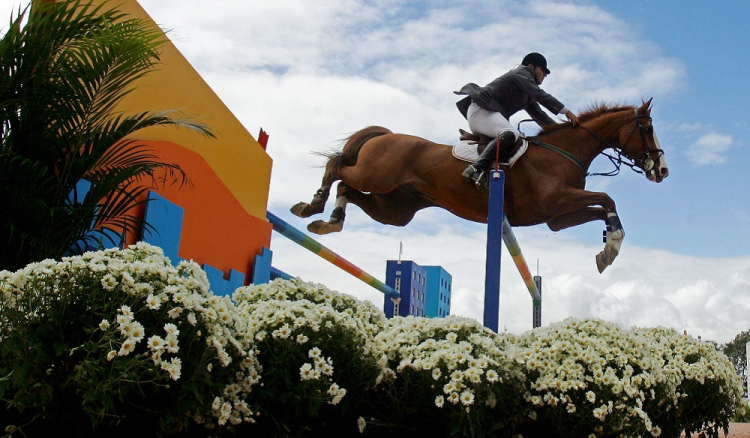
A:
(648, 129)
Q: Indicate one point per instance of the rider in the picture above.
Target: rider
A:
(488, 108)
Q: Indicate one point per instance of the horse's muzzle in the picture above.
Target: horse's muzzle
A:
(658, 173)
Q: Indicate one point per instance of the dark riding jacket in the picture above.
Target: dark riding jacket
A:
(514, 91)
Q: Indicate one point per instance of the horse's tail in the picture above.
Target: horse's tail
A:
(347, 156)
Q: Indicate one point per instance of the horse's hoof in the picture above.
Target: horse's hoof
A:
(303, 209)
(321, 227)
(602, 262)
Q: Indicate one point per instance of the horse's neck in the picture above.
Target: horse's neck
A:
(578, 142)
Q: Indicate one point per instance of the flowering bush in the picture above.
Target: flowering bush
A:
(589, 378)
(316, 350)
(705, 390)
(123, 335)
(448, 376)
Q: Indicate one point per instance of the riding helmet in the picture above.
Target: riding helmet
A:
(537, 59)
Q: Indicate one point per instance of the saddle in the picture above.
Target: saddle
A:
(480, 140)
(471, 146)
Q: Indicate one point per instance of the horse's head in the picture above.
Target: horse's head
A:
(640, 144)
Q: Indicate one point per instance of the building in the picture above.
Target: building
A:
(425, 290)
(439, 286)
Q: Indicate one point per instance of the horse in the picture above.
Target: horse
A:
(392, 176)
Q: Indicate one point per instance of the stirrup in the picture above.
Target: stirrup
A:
(476, 177)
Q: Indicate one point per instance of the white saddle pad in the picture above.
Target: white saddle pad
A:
(466, 151)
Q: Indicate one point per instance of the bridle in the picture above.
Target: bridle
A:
(641, 164)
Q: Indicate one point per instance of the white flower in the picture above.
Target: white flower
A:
(156, 343)
(136, 331)
(361, 424)
(171, 329)
(104, 325)
(467, 398)
(436, 373)
(492, 376)
(174, 313)
(109, 282)
(127, 347)
(173, 367)
(111, 355)
(153, 302)
(439, 400)
(591, 397)
(306, 372)
(453, 398)
(171, 343)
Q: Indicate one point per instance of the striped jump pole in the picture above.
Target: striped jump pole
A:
(533, 284)
(515, 251)
(312, 245)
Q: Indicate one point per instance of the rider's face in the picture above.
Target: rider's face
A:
(540, 74)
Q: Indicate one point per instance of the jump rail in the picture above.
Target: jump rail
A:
(307, 242)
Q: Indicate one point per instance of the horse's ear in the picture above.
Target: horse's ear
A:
(646, 105)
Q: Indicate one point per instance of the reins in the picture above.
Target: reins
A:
(564, 153)
(616, 159)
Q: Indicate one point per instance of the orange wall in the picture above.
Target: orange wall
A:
(216, 230)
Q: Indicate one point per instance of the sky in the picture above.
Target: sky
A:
(310, 73)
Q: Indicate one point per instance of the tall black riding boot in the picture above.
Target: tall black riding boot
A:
(476, 173)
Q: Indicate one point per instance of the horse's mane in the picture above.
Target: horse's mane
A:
(590, 112)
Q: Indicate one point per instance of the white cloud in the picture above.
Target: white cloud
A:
(709, 149)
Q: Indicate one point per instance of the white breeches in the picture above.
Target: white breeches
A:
(489, 123)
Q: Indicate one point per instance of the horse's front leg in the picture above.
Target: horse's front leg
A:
(607, 212)
(336, 221)
(612, 241)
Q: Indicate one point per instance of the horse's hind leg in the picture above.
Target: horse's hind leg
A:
(395, 208)
(336, 221)
(318, 203)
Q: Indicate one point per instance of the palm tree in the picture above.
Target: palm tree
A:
(64, 68)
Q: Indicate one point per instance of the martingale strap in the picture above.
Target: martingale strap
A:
(565, 154)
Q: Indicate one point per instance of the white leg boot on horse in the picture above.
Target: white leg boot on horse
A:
(612, 242)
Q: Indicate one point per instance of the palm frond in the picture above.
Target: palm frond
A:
(64, 69)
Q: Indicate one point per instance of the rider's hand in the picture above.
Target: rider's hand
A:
(572, 117)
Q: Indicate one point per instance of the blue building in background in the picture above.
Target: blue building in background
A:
(439, 286)
(425, 291)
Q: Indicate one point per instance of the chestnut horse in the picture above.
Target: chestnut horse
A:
(392, 176)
